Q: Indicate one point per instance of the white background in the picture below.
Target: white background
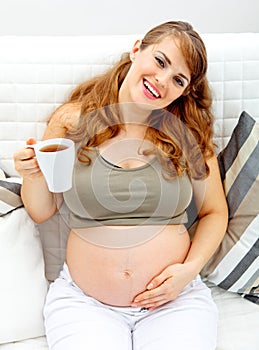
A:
(94, 17)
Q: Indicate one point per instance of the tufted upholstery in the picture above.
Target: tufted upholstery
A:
(37, 74)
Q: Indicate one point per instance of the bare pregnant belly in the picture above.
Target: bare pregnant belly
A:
(115, 273)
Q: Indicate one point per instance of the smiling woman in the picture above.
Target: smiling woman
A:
(143, 133)
(160, 71)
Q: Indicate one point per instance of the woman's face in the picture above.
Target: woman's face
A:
(158, 75)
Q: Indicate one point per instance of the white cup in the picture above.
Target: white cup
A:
(56, 159)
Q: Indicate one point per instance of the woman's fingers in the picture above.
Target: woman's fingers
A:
(25, 162)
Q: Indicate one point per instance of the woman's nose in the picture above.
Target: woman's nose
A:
(163, 78)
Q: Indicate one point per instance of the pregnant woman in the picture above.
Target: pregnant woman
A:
(143, 133)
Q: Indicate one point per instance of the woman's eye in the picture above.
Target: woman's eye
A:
(179, 81)
(160, 62)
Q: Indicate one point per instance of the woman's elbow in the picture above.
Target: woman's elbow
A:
(41, 217)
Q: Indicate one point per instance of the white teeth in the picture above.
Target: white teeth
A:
(149, 87)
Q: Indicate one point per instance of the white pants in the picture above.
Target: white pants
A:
(76, 321)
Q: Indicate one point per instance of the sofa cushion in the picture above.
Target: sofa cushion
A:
(234, 266)
(238, 320)
(9, 193)
(38, 343)
(23, 283)
(54, 234)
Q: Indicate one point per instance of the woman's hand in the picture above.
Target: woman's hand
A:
(25, 162)
(166, 286)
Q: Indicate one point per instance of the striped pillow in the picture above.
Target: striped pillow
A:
(235, 265)
(10, 198)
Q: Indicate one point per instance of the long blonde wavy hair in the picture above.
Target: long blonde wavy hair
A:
(182, 132)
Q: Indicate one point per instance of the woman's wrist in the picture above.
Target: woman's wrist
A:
(195, 265)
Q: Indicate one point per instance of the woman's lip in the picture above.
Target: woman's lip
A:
(149, 93)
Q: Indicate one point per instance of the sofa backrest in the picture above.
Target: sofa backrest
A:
(37, 74)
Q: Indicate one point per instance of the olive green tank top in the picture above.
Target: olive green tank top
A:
(104, 194)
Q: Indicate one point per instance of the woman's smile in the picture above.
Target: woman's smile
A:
(150, 90)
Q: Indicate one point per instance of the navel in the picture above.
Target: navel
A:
(126, 274)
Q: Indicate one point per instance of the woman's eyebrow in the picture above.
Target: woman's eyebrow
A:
(165, 57)
(170, 63)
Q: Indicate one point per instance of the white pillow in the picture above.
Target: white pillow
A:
(23, 283)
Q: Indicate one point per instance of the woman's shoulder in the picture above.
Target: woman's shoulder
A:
(66, 114)
(62, 120)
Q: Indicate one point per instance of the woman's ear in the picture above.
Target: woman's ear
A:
(135, 49)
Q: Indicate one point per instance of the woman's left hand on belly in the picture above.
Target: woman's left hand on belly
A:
(166, 286)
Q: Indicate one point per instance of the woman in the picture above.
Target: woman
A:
(144, 141)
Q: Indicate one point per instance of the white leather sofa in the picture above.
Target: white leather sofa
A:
(36, 75)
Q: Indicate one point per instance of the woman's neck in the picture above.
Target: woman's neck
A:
(133, 113)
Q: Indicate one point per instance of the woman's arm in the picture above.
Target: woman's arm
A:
(213, 218)
(39, 202)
